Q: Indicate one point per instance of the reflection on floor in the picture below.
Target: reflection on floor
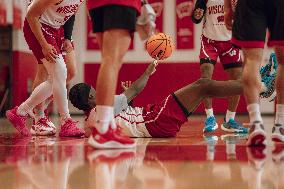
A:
(214, 161)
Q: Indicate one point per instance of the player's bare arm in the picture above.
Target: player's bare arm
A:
(35, 10)
(198, 12)
(228, 13)
(140, 83)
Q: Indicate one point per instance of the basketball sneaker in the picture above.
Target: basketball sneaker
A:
(257, 157)
(70, 129)
(110, 156)
(210, 124)
(42, 128)
(257, 135)
(19, 122)
(269, 82)
(233, 127)
(278, 133)
(49, 122)
(266, 69)
(111, 139)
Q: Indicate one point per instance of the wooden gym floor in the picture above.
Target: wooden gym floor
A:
(218, 160)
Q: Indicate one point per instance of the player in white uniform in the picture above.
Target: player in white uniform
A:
(215, 42)
(42, 31)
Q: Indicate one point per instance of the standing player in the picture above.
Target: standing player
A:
(44, 37)
(41, 124)
(113, 23)
(251, 19)
(215, 42)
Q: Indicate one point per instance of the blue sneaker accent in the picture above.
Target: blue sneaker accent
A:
(233, 126)
(210, 124)
(269, 82)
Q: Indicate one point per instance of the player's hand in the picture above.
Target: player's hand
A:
(228, 18)
(67, 46)
(49, 53)
(198, 13)
(152, 68)
(126, 84)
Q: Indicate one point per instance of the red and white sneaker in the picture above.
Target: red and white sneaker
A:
(46, 113)
(70, 129)
(42, 128)
(257, 135)
(111, 139)
(111, 156)
(19, 122)
(278, 133)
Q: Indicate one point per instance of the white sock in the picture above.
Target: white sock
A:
(230, 115)
(230, 148)
(104, 115)
(23, 110)
(39, 113)
(209, 112)
(254, 113)
(279, 118)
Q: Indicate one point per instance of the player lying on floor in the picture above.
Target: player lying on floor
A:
(163, 119)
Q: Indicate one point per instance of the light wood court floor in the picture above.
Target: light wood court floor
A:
(192, 160)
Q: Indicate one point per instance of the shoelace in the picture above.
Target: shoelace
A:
(70, 125)
(235, 124)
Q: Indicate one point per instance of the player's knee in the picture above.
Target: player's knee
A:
(250, 80)
(203, 84)
(60, 70)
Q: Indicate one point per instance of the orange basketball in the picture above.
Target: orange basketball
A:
(159, 46)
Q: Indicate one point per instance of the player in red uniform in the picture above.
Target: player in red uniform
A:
(251, 20)
(215, 42)
(41, 124)
(155, 120)
(42, 31)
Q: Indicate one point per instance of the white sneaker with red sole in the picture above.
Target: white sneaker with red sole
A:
(42, 128)
(111, 139)
(257, 135)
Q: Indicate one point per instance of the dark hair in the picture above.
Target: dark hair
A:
(79, 96)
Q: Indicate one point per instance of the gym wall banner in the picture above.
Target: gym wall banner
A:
(17, 14)
(184, 25)
(158, 6)
(3, 13)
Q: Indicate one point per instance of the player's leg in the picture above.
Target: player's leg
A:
(41, 124)
(192, 95)
(275, 26)
(114, 43)
(249, 31)
(208, 57)
(70, 61)
(278, 129)
(232, 64)
(58, 73)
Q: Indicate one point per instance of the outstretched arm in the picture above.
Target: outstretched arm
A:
(138, 85)
(198, 12)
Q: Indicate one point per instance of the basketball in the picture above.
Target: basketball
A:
(159, 46)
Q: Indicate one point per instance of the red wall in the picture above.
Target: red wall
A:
(168, 78)
(24, 69)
